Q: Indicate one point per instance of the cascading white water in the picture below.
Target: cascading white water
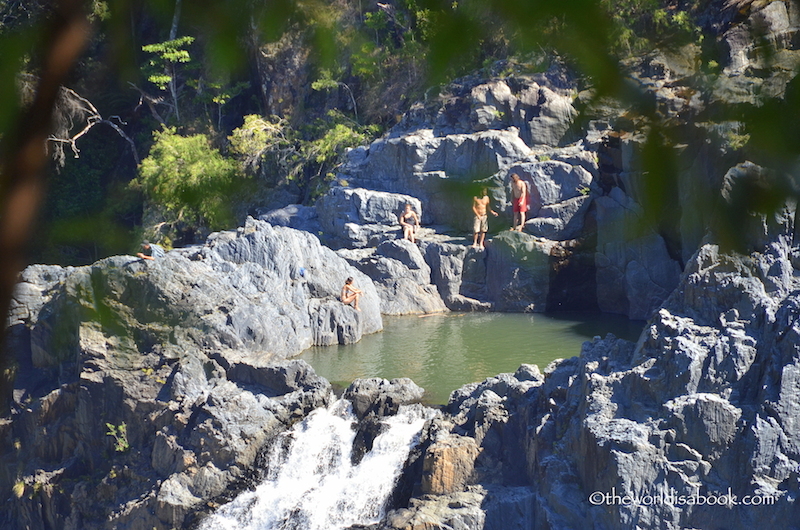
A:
(311, 483)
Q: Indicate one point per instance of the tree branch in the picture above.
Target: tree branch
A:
(21, 179)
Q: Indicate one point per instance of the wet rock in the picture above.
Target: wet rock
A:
(380, 396)
(449, 464)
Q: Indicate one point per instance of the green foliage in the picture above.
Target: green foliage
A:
(120, 435)
(325, 81)
(638, 25)
(165, 56)
(273, 150)
(99, 10)
(190, 181)
(266, 148)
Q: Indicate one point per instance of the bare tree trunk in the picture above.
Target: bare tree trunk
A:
(21, 179)
(173, 31)
(173, 34)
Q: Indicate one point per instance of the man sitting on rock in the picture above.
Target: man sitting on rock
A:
(481, 223)
(151, 251)
(350, 294)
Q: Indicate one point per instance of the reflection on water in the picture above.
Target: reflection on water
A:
(445, 351)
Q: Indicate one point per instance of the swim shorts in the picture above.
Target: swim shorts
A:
(480, 224)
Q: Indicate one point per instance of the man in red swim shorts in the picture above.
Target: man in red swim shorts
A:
(519, 201)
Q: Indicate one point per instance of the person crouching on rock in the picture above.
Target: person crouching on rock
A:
(350, 294)
(409, 220)
(151, 251)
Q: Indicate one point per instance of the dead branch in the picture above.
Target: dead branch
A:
(71, 108)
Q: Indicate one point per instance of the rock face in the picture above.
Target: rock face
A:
(700, 413)
(381, 397)
(434, 169)
(401, 276)
(142, 444)
(357, 217)
(635, 272)
(265, 290)
(294, 216)
(176, 353)
(518, 272)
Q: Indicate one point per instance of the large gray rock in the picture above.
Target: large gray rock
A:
(459, 273)
(357, 217)
(435, 169)
(381, 396)
(635, 272)
(561, 221)
(542, 115)
(401, 276)
(294, 216)
(518, 272)
(259, 289)
(552, 182)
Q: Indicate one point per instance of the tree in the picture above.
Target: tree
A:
(162, 71)
(188, 179)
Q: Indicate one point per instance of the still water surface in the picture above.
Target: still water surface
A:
(445, 351)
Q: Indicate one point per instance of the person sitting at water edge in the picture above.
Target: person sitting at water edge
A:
(350, 294)
(519, 201)
(481, 223)
(151, 251)
(409, 220)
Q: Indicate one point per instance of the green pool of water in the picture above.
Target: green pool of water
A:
(445, 351)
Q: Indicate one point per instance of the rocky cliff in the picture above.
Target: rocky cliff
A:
(694, 426)
(144, 389)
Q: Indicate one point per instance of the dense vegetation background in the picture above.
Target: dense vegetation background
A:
(199, 112)
(178, 119)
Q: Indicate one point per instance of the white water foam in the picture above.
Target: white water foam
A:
(311, 483)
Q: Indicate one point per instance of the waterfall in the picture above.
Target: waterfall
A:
(311, 483)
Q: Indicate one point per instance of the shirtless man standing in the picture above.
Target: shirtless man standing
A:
(480, 225)
(519, 194)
